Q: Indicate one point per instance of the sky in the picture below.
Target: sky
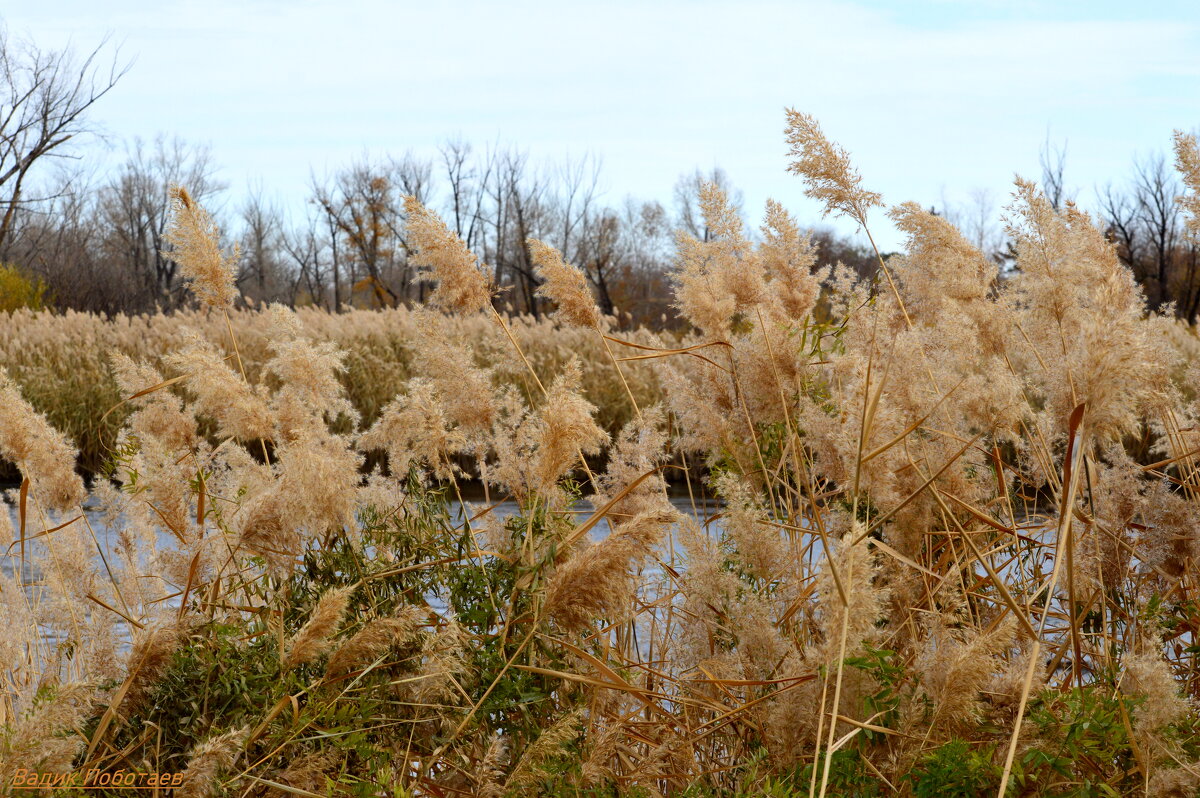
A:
(933, 99)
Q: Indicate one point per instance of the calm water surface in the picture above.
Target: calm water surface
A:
(106, 535)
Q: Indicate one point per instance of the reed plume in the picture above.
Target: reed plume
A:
(44, 455)
(1187, 162)
(460, 284)
(564, 285)
(313, 639)
(194, 240)
(826, 169)
(376, 637)
(599, 579)
(208, 761)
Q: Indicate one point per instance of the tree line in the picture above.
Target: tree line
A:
(96, 243)
(99, 246)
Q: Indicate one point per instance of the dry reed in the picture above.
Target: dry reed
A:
(935, 560)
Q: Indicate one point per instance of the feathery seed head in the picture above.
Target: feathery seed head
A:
(460, 284)
(564, 285)
(208, 760)
(1187, 161)
(195, 246)
(43, 454)
(374, 639)
(826, 169)
(313, 638)
(597, 579)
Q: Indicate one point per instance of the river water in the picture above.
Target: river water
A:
(106, 534)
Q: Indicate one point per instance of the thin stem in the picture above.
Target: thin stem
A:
(242, 368)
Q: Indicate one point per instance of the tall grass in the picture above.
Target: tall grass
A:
(62, 361)
(956, 551)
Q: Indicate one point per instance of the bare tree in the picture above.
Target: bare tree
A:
(641, 286)
(362, 211)
(135, 209)
(1121, 214)
(261, 272)
(588, 235)
(59, 240)
(411, 175)
(464, 185)
(304, 247)
(976, 219)
(45, 98)
(515, 206)
(1145, 225)
(1053, 160)
(580, 181)
(1155, 189)
(600, 254)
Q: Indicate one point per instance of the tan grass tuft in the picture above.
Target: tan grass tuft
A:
(208, 761)
(490, 778)
(313, 639)
(195, 246)
(598, 579)
(564, 285)
(826, 169)
(48, 738)
(1187, 161)
(149, 657)
(44, 456)
(548, 745)
(460, 284)
(376, 637)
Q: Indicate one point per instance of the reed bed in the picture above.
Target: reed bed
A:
(956, 551)
(62, 361)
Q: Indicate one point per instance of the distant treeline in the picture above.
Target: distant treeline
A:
(73, 240)
(99, 247)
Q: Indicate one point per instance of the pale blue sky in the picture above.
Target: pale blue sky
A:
(929, 97)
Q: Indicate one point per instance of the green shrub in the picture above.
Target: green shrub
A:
(956, 770)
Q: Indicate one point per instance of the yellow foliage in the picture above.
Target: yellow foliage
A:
(18, 290)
